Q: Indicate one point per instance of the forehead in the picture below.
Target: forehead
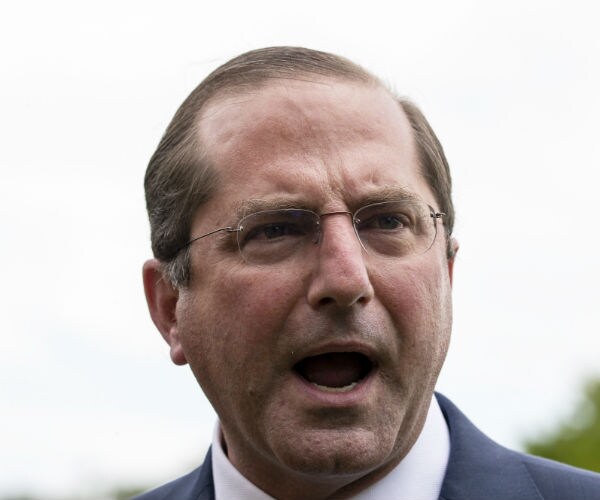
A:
(330, 141)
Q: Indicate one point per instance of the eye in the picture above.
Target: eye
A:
(390, 222)
(272, 231)
(384, 221)
(276, 226)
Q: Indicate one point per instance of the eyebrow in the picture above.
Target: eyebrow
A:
(254, 205)
(395, 193)
(390, 193)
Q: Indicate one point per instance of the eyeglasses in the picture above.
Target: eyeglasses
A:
(393, 228)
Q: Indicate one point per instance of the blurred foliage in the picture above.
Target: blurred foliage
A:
(126, 493)
(576, 441)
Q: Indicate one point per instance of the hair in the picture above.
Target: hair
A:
(179, 177)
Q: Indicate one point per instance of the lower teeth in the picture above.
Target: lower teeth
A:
(345, 388)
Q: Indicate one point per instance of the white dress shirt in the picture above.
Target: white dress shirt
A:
(418, 476)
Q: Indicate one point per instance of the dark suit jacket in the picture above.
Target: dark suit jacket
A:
(478, 469)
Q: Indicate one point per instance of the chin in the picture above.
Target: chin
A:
(341, 452)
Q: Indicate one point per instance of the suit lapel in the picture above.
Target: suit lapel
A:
(478, 467)
(204, 488)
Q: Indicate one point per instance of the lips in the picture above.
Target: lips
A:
(335, 371)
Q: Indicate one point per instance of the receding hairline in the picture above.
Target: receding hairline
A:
(228, 95)
(248, 88)
(180, 177)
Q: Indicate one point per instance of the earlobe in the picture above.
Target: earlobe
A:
(454, 246)
(162, 297)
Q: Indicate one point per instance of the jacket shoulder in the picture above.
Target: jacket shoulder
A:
(480, 468)
(557, 481)
(197, 485)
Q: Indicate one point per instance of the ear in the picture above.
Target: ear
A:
(454, 245)
(162, 297)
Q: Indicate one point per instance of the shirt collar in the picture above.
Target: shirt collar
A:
(419, 475)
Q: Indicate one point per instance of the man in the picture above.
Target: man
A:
(301, 222)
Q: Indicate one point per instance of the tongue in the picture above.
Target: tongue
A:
(335, 369)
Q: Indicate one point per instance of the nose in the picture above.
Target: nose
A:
(340, 276)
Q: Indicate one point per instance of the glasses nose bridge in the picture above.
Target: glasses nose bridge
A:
(319, 229)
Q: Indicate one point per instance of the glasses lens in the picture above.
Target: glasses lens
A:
(271, 236)
(396, 228)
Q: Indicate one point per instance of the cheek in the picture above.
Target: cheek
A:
(259, 301)
(238, 315)
(418, 299)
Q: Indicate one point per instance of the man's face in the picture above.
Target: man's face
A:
(256, 337)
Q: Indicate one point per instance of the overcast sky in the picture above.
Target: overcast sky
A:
(88, 396)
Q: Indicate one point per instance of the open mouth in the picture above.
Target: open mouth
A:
(335, 371)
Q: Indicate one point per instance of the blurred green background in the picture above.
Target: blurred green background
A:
(575, 441)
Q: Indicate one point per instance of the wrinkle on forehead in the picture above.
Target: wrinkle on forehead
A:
(315, 140)
(279, 116)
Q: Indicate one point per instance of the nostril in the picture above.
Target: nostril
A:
(346, 291)
(325, 301)
(363, 300)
